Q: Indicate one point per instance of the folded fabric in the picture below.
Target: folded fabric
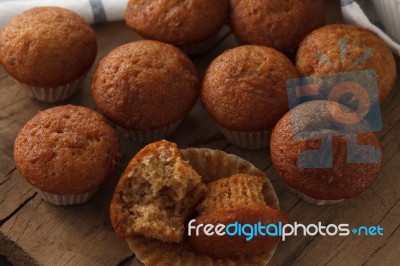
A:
(94, 11)
(362, 13)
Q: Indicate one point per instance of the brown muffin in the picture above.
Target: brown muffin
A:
(244, 91)
(47, 47)
(302, 129)
(156, 194)
(278, 24)
(238, 198)
(233, 246)
(359, 40)
(178, 22)
(230, 192)
(145, 85)
(66, 150)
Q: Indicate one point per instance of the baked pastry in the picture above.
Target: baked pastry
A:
(244, 91)
(230, 192)
(212, 165)
(235, 199)
(156, 194)
(187, 24)
(364, 50)
(328, 174)
(48, 50)
(67, 153)
(277, 24)
(146, 88)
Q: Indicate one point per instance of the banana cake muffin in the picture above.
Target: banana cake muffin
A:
(67, 153)
(320, 161)
(156, 194)
(146, 88)
(48, 50)
(364, 50)
(187, 24)
(244, 91)
(238, 198)
(275, 23)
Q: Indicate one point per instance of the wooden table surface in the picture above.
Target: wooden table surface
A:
(35, 232)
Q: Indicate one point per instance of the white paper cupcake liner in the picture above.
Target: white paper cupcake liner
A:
(66, 199)
(147, 136)
(389, 13)
(247, 140)
(313, 200)
(54, 94)
(201, 47)
(211, 165)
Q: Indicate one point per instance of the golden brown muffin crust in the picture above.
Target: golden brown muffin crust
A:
(359, 40)
(231, 246)
(145, 85)
(47, 46)
(276, 23)
(67, 150)
(178, 22)
(244, 89)
(344, 180)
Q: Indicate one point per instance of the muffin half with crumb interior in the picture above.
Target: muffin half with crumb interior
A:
(156, 194)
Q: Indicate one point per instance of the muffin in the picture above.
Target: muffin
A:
(66, 153)
(364, 50)
(212, 165)
(230, 192)
(319, 158)
(146, 88)
(238, 198)
(156, 194)
(48, 50)
(244, 91)
(277, 24)
(191, 25)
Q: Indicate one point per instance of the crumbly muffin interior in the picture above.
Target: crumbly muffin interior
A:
(158, 194)
(230, 192)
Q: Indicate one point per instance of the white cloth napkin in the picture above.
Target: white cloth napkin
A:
(94, 11)
(362, 13)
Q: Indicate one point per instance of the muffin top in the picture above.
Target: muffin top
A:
(302, 129)
(47, 46)
(244, 89)
(145, 85)
(66, 150)
(364, 50)
(275, 23)
(228, 246)
(177, 21)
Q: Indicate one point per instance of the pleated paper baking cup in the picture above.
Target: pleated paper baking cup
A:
(247, 140)
(66, 199)
(389, 13)
(211, 165)
(201, 47)
(54, 94)
(147, 136)
(313, 200)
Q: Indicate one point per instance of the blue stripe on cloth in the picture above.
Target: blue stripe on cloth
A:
(99, 14)
(346, 2)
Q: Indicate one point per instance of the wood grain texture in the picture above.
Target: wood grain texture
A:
(33, 232)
